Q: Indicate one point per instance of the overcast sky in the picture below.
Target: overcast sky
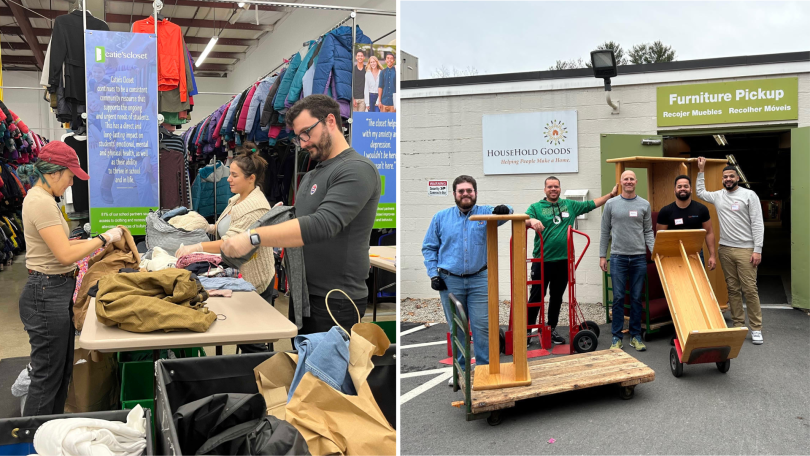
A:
(508, 37)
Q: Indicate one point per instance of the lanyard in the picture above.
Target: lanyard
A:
(557, 218)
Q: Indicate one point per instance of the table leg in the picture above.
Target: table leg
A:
(375, 289)
(219, 350)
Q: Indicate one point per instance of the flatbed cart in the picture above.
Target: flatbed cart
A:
(583, 334)
(702, 334)
(548, 375)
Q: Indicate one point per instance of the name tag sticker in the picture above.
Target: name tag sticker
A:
(633, 213)
(679, 221)
(565, 214)
(735, 207)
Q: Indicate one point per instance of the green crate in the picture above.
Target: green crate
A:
(137, 381)
(390, 329)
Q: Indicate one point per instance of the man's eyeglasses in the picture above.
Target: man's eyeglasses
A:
(304, 135)
(465, 190)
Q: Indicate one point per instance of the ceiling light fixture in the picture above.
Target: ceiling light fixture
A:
(206, 51)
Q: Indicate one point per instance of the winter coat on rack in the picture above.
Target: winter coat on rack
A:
(335, 58)
(203, 190)
(257, 103)
(240, 125)
(227, 124)
(296, 87)
(67, 51)
(267, 110)
(286, 83)
(171, 54)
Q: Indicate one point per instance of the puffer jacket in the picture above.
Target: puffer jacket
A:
(218, 130)
(256, 105)
(267, 110)
(335, 59)
(240, 125)
(296, 87)
(286, 83)
(203, 190)
(227, 124)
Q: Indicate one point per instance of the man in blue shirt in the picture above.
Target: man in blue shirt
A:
(455, 251)
(388, 85)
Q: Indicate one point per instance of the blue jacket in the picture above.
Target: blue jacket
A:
(227, 125)
(286, 83)
(256, 105)
(297, 83)
(336, 58)
(326, 356)
(203, 190)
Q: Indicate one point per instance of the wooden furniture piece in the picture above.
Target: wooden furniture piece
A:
(245, 318)
(661, 174)
(561, 374)
(702, 335)
(505, 375)
(380, 257)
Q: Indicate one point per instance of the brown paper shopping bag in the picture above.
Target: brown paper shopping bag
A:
(274, 377)
(94, 384)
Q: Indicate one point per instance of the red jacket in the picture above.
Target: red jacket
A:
(171, 57)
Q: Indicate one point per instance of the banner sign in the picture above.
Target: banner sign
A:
(374, 136)
(437, 188)
(728, 102)
(122, 128)
(530, 143)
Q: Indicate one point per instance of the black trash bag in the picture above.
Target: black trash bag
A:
(265, 436)
(198, 421)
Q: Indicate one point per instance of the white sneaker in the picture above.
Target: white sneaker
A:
(756, 337)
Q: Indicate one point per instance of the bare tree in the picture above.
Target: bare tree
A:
(444, 72)
(567, 64)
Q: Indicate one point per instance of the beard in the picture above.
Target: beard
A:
(319, 152)
(466, 202)
(552, 197)
(730, 186)
(683, 196)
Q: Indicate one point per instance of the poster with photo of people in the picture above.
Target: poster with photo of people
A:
(374, 78)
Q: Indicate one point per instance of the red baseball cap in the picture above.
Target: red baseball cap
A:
(59, 153)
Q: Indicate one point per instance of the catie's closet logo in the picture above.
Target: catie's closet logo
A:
(100, 54)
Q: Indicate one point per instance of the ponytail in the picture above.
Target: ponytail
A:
(31, 173)
(251, 163)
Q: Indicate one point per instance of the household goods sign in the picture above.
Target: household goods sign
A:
(759, 100)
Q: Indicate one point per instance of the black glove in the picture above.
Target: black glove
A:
(437, 283)
(501, 210)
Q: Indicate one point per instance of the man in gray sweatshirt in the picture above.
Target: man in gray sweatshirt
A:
(627, 226)
(742, 234)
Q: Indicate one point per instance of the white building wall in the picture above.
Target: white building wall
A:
(441, 139)
(29, 104)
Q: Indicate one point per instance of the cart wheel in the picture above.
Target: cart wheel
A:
(588, 324)
(724, 366)
(627, 392)
(494, 418)
(502, 341)
(585, 341)
(675, 365)
(645, 336)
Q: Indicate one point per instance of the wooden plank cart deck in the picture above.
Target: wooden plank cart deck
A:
(702, 335)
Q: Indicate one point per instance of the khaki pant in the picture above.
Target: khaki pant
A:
(741, 276)
(361, 105)
(388, 109)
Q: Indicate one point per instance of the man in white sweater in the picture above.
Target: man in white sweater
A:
(741, 237)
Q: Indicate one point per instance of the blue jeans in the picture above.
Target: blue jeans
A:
(472, 293)
(46, 311)
(627, 270)
(326, 356)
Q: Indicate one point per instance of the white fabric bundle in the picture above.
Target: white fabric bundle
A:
(92, 437)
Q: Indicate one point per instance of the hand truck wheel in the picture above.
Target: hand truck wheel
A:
(627, 392)
(591, 325)
(585, 341)
(675, 365)
(494, 418)
(645, 336)
(724, 366)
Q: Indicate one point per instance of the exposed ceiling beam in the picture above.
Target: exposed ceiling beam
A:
(28, 31)
(19, 60)
(220, 55)
(205, 4)
(215, 67)
(222, 41)
(12, 30)
(14, 46)
(201, 23)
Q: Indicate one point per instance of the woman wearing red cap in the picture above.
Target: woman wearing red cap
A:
(46, 303)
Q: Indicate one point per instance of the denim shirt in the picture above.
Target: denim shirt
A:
(388, 82)
(326, 355)
(456, 244)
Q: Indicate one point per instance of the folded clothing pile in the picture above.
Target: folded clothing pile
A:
(91, 437)
(226, 283)
(189, 222)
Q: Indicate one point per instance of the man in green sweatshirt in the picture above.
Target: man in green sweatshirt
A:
(550, 218)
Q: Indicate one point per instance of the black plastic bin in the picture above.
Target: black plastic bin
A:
(181, 381)
(27, 426)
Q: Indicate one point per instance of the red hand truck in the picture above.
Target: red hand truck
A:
(583, 334)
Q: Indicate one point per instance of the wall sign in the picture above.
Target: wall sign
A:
(122, 128)
(728, 102)
(374, 136)
(530, 143)
(437, 188)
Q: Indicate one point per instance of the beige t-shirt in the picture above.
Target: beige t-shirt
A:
(40, 211)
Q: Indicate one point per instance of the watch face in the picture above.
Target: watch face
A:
(254, 239)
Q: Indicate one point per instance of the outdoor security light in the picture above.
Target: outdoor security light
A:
(603, 62)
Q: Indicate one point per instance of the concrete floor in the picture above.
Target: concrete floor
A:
(15, 340)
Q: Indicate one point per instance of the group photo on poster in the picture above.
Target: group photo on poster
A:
(375, 78)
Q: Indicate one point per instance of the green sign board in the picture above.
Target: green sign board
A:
(728, 102)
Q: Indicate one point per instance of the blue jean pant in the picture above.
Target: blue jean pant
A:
(472, 293)
(627, 270)
(46, 311)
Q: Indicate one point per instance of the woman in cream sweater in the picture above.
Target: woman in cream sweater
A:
(244, 209)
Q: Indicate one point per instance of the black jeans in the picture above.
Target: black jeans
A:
(267, 294)
(556, 278)
(46, 311)
(319, 319)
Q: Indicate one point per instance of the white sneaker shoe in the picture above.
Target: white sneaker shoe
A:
(756, 337)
